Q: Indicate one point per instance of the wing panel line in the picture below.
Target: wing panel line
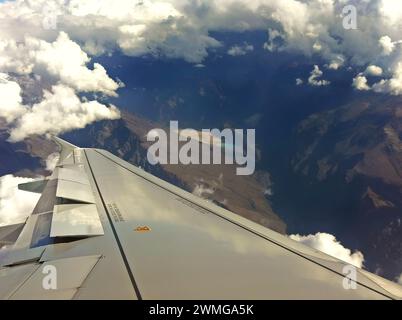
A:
(129, 271)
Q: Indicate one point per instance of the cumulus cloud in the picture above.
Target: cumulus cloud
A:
(275, 39)
(60, 110)
(62, 60)
(65, 60)
(183, 28)
(328, 244)
(55, 40)
(52, 161)
(15, 205)
(167, 28)
(399, 279)
(387, 45)
(299, 81)
(203, 191)
(392, 85)
(240, 50)
(11, 100)
(315, 76)
(336, 63)
(56, 62)
(374, 70)
(360, 82)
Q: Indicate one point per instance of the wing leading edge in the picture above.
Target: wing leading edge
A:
(113, 231)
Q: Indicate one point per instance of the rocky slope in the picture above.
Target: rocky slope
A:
(243, 195)
(353, 156)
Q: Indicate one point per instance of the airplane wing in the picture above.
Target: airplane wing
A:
(105, 229)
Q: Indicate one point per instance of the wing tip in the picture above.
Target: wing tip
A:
(62, 143)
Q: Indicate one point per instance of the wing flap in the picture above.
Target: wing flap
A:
(76, 220)
(74, 191)
(68, 275)
(74, 174)
(12, 257)
(9, 234)
(12, 278)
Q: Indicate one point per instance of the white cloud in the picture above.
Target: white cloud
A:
(315, 76)
(391, 10)
(336, 62)
(392, 85)
(15, 205)
(399, 280)
(387, 45)
(11, 100)
(328, 244)
(299, 81)
(63, 66)
(173, 38)
(202, 191)
(52, 161)
(240, 50)
(360, 82)
(63, 60)
(60, 110)
(184, 29)
(275, 38)
(374, 70)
